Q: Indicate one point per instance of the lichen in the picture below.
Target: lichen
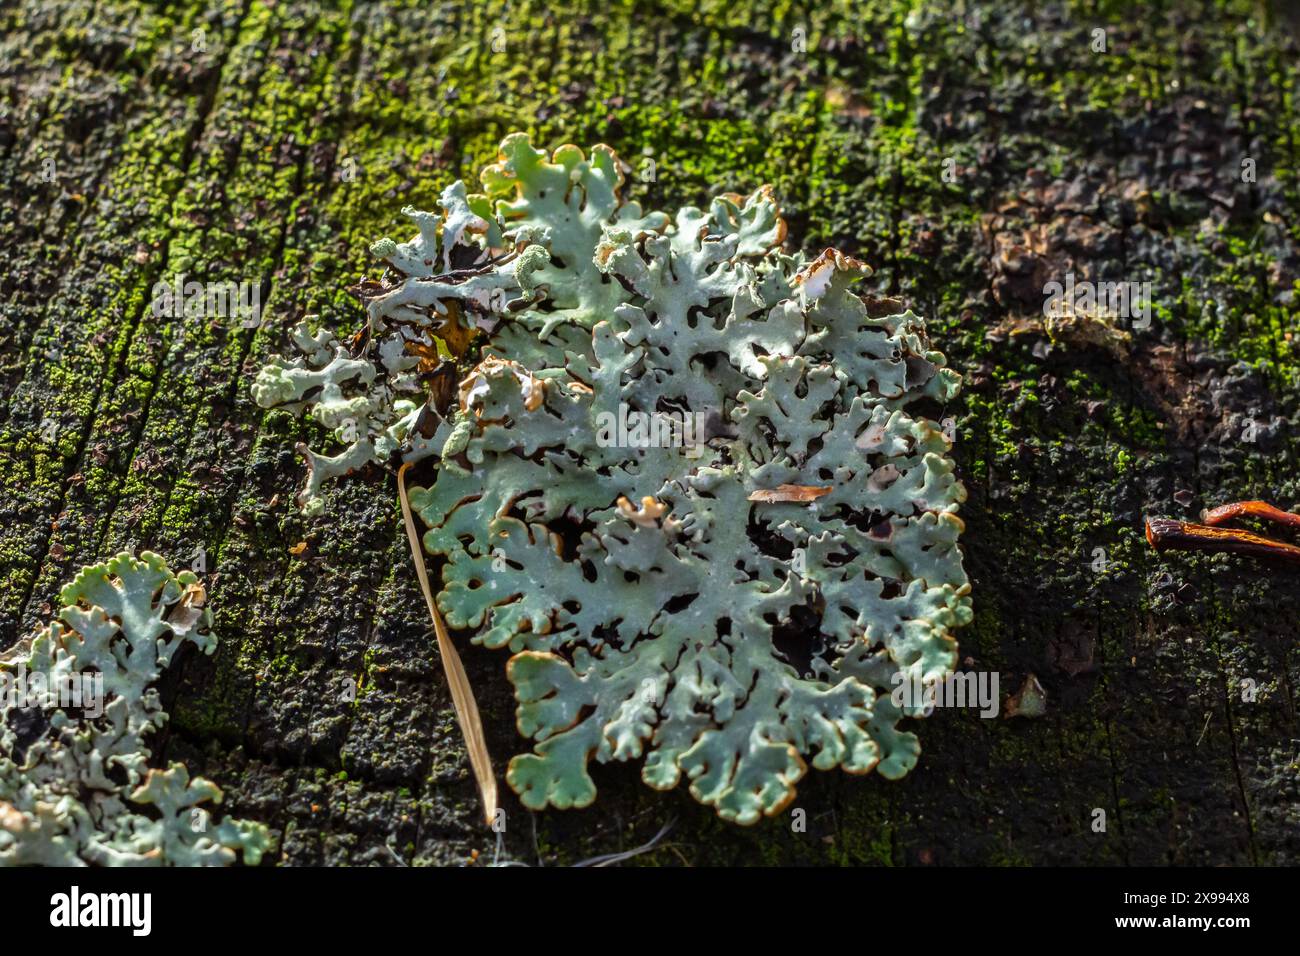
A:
(681, 485)
(76, 787)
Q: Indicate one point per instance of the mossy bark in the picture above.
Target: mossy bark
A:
(969, 155)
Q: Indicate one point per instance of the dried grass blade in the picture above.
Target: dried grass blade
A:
(462, 695)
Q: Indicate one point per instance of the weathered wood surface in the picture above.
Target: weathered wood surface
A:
(276, 143)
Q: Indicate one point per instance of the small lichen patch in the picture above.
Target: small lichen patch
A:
(76, 787)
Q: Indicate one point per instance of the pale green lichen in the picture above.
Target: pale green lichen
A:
(372, 421)
(76, 787)
(794, 551)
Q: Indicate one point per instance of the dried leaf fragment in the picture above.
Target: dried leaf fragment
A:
(790, 493)
(1029, 701)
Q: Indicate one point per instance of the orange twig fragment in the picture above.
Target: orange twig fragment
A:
(1254, 509)
(1168, 534)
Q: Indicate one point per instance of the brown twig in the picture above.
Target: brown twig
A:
(1169, 534)
(1254, 509)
